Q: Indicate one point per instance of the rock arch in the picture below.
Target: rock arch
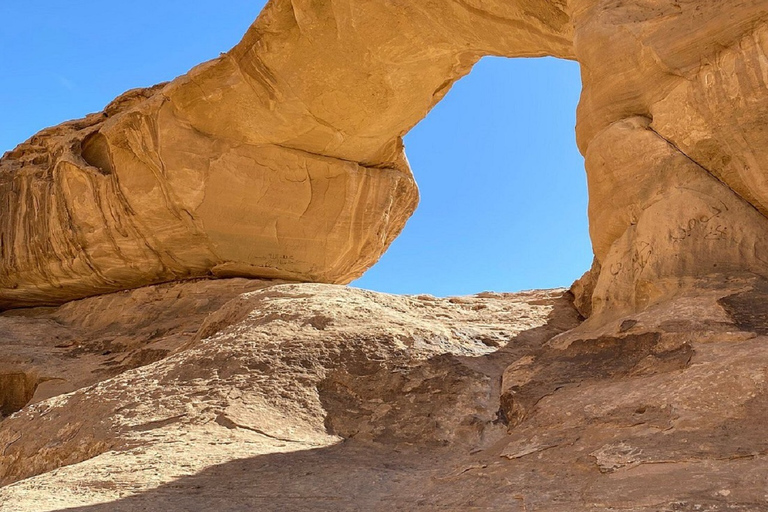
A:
(283, 158)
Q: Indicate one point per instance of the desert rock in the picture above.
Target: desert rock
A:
(49, 352)
(262, 371)
(283, 158)
(643, 388)
(676, 194)
(320, 397)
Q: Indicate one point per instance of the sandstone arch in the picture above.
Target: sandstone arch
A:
(283, 157)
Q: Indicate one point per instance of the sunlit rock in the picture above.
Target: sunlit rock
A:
(283, 158)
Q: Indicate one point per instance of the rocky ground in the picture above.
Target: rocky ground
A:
(249, 395)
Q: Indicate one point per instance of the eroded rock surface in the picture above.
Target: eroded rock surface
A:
(319, 397)
(283, 159)
(671, 123)
(50, 351)
(273, 364)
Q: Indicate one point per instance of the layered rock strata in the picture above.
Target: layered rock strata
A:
(671, 123)
(47, 352)
(282, 159)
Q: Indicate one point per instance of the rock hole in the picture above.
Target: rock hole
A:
(16, 391)
(95, 151)
(499, 149)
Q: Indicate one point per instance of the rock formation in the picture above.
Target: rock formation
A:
(283, 160)
(265, 368)
(671, 124)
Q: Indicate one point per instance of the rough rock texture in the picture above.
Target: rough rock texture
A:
(319, 397)
(46, 352)
(122, 199)
(265, 369)
(671, 122)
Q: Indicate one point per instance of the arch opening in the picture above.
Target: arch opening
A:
(503, 187)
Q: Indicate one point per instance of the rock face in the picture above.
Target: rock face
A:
(264, 370)
(671, 123)
(124, 198)
(320, 397)
(49, 352)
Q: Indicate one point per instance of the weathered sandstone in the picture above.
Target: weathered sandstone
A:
(283, 158)
(320, 397)
(47, 352)
(671, 124)
(264, 369)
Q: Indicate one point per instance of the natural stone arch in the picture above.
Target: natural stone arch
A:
(283, 157)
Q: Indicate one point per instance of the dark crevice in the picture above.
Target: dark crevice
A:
(95, 151)
(16, 391)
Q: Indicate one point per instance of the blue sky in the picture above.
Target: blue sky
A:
(503, 187)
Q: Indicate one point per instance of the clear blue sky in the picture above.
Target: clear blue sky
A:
(503, 187)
